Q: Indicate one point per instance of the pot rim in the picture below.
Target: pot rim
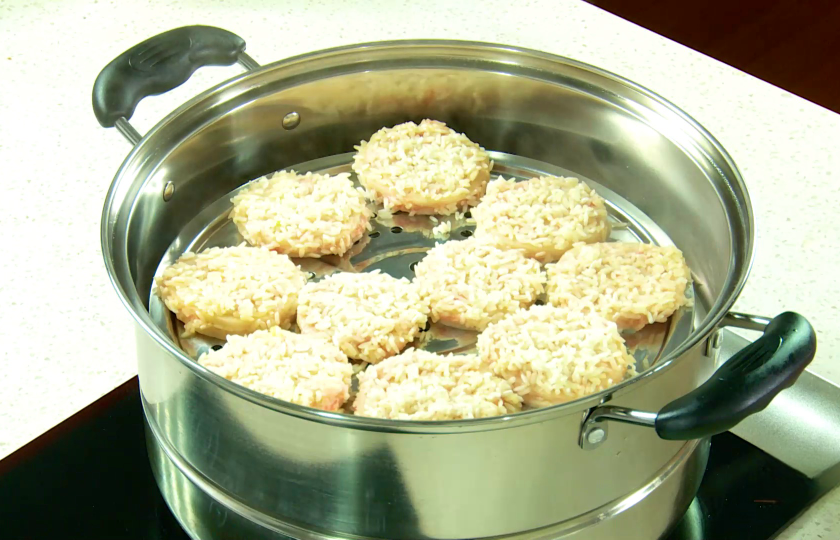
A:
(132, 301)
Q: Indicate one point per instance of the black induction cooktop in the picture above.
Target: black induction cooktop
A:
(89, 478)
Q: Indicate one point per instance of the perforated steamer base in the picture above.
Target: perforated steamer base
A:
(399, 241)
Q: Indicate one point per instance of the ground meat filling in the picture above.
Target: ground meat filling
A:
(420, 385)
(630, 284)
(471, 284)
(370, 316)
(553, 355)
(302, 215)
(544, 217)
(422, 169)
(307, 370)
(232, 290)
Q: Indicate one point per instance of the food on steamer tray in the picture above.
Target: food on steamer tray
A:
(303, 369)
(528, 356)
(630, 284)
(470, 284)
(422, 169)
(302, 215)
(232, 290)
(370, 316)
(421, 385)
(543, 216)
(553, 355)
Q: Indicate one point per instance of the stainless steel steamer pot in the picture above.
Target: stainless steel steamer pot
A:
(234, 463)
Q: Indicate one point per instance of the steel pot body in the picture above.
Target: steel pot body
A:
(294, 474)
(643, 514)
(311, 474)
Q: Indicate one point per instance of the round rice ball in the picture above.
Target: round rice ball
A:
(302, 215)
(307, 370)
(420, 385)
(422, 169)
(542, 216)
(553, 355)
(471, 284)
(369, 316)
(629, 284)
(232, 290)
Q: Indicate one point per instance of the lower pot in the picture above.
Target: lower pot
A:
(207, 512)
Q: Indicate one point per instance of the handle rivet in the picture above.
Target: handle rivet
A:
(717, 339)
(596, 436)
(713, 344)
(291, 120)
(168, 191)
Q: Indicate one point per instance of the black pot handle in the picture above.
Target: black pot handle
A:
(158, 65)
(745, 384)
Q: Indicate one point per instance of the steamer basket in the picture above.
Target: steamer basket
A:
(398, 241)
(234, 463)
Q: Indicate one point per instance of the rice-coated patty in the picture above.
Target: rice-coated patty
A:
(422, 169)
(543, 216)
(302, 215)
(421, 385)
(307, 370)
(629, 284)
(471, 284)
(231, 290)
(552, 355)
(370, 316)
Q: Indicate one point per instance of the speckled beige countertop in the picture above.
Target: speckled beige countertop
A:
(67, 340)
